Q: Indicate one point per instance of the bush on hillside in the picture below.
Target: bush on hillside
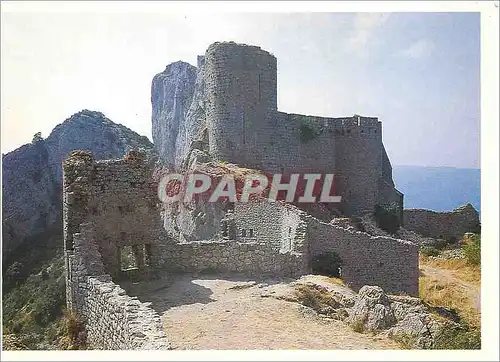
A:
(429, 251)
(461, 337)
(387, 218)
(472, 251)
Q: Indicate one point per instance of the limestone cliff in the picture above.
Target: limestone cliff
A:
(171, 95)
(32, 175)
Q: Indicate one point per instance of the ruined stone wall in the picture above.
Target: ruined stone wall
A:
(106, 206)
(252, 246)
(113, 320)
(120, 199)
(252, 258)
(442, 225)
(389, 263)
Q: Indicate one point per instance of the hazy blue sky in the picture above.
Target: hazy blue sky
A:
(418, 72)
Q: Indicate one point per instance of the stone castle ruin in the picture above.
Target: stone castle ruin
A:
(116, 229)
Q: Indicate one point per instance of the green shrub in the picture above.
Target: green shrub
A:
(429, 251)
(387, 218)
(37, 137)
(472, 251)
(441, 244)
(461, 337)
(357, 222)
(406, 341)
(307, 133)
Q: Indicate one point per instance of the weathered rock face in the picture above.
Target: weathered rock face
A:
(403, 317)
(442, 225)
(171, 96)
(32, 173)
(372, 309)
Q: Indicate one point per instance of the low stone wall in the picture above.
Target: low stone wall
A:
(251, 258)
(113, 320)
(366, 260)
(442, 225)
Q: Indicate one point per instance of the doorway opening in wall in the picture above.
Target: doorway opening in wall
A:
(135, 257)
(127, 258)
(328, 264)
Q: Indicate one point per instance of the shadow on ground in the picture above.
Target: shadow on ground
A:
(176, 290)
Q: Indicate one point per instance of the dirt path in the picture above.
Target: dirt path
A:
(447, 276)
(213, 313)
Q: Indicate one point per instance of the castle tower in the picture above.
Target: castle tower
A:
(241, 96)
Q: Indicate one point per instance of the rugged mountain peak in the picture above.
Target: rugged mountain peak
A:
(32, 173)
(171, 95)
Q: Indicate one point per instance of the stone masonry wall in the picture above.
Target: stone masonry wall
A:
(253, 246)
(106, 206)
(241, 95)
(389, 263)
(279, 239)
(119, 198)
(442, 225)
(236, 99)
(252, 258)
(113, 320)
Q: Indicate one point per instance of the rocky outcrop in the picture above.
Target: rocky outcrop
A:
(372, 309)
(417, 322)
(31, 191)
(443, 225)
(171, 96)
(403, 318)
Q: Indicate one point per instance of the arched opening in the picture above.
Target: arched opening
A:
(328, 264)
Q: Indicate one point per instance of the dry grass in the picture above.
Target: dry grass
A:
(334, 280)
(449, 295)
(312, 296)
(406, 341)
(74, 333)
(452, 287)
(459, 268)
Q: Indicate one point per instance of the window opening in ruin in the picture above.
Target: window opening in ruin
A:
(225, 229)
(127, 258)
(243, 232)
(250, 233)
(147, 254)
(328, 264)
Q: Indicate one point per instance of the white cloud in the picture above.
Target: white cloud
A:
(419, 50)
(365, 27)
